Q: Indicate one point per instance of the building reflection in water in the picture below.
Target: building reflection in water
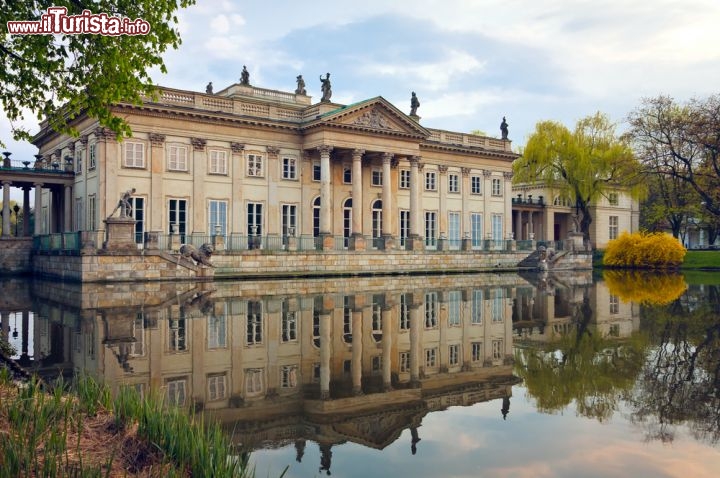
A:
(283, 362)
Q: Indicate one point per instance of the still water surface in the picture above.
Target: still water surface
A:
(433, 376)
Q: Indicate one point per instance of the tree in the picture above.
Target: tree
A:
(57, 77)
(681, 142)
(583, 165)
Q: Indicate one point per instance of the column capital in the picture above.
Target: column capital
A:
(84, 140)
(414, 160)
(465, 172)
(325, 149)
(387, 157)
(156, 139)
(237, 147)
(103, 134)
(443, 169)
(487, 173)
(357, 154)
(273, 151)
(6, 183)
(71, 147)
(508, 175)
(198, 143)
(421, 166)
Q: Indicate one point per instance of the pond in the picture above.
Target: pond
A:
(507, 375)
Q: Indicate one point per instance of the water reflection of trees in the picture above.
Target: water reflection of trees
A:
(584, 367)
(666, 375)
(680, 382)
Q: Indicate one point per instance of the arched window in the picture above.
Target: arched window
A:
(347, 221)
(316, 217)
(377, 222)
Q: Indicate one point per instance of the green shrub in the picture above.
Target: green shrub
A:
(644, 250)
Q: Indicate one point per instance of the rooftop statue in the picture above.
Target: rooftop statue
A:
(300, 86)
(326, 88)
(245, 76)
(414, 104)
(504, 129)
(209, 88)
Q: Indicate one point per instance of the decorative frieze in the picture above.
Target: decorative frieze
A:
(102, 133)
(443, 169)
(273, 151)
(487, 173)
(372, 119)
(508, 175)
(237, 147)
(465, 172)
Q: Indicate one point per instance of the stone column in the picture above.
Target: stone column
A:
(26, 211)
(414, 241)
(67, 209)
(357, 241)
(415, 325)
(442, 206)
(325, 353)
(387, 206)
(38, 208)
(106, 163)
(387, 344)
(236, 209)
(325, 198)
(487, 194)
(155, 206)
(6, 209)
(273, 203)
(357, 343)
(465, 194)
(198, 206)
(518, 225)
(507, 193)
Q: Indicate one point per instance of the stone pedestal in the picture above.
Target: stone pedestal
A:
(466, 244)
(292, 243)
(415, 243)
(357, 243)
(120, 234)
(388, 242)
(443, 244)
(152, 240)
(577, 241)
(511, 245)
(218, 242)
(327, 241)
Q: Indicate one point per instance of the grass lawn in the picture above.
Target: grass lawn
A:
(701, 260)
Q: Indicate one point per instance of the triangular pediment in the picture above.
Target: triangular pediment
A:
(376, 115)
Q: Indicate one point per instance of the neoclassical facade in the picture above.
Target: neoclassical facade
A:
(248, 161)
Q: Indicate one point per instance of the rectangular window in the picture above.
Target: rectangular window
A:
(454, 230)
(177, 340)
(177, 217)
(347, 320)
(134, 156)
(430, 358)
(377, 177)
(476, 185)
(404, 362)
(496, 187)
(404, 312)
(454, 304)
(453, 355)
(347, 175)
(254, 323)
(404, 226)
(613, 227)
(288, 376)
(477, 353)
(613, 199)
(255, 165)
(376, 364)
(497, 227)
(476, 229)
(404, 179)
(177, 158)
(288, 325)
(289, 166)
(614, 304)
(453, 183)
(218, 162)
(477, 307)
(430, 228)
(138, 213)
(316, 171)
(77, 217)
(430, 184)
(217, 216)
(289, 219)
(254, 219)
(91, 213)
(217, 387)
(78, 162)
(254, 382)
(176, 392)
(92, 156)
(498, 350)
(498, 306)
(431, 310)
(217, 332)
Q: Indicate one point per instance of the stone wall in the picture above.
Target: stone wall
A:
(15, 255)
(155, 265)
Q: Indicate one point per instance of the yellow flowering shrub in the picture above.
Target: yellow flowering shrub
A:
(644, 250)
(645, 287)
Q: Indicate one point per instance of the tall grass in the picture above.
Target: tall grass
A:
(45, 427)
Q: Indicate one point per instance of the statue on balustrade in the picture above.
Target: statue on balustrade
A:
(245, 76)
(414, 104)
(300, 90)
(504, 128)
(326, 88)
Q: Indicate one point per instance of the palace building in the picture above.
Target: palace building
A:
(257, 166)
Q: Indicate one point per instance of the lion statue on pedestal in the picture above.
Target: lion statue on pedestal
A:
(200, 256)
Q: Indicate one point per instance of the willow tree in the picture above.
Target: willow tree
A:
(583, 165)
(83, 73)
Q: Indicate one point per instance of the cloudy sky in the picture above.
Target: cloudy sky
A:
(471, 62)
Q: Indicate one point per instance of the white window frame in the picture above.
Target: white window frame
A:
(255, 165)
(454, 354)
(453, 183)
(376, 177)
(92, 156)
(92, 213)
(217, 214)
(289, 168)
(454, 308)
(404, 179)
(316, 171)
(613, 227)
(217, 386)
(133, 154)
(430, 181)
(347, 174)
(217, 332)
(496, 187)
(476, 229)
(476, 185)
(431, 310)
(254, 328)
(177, 159)
(613, 199)
(289, 376)
(217, 159)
